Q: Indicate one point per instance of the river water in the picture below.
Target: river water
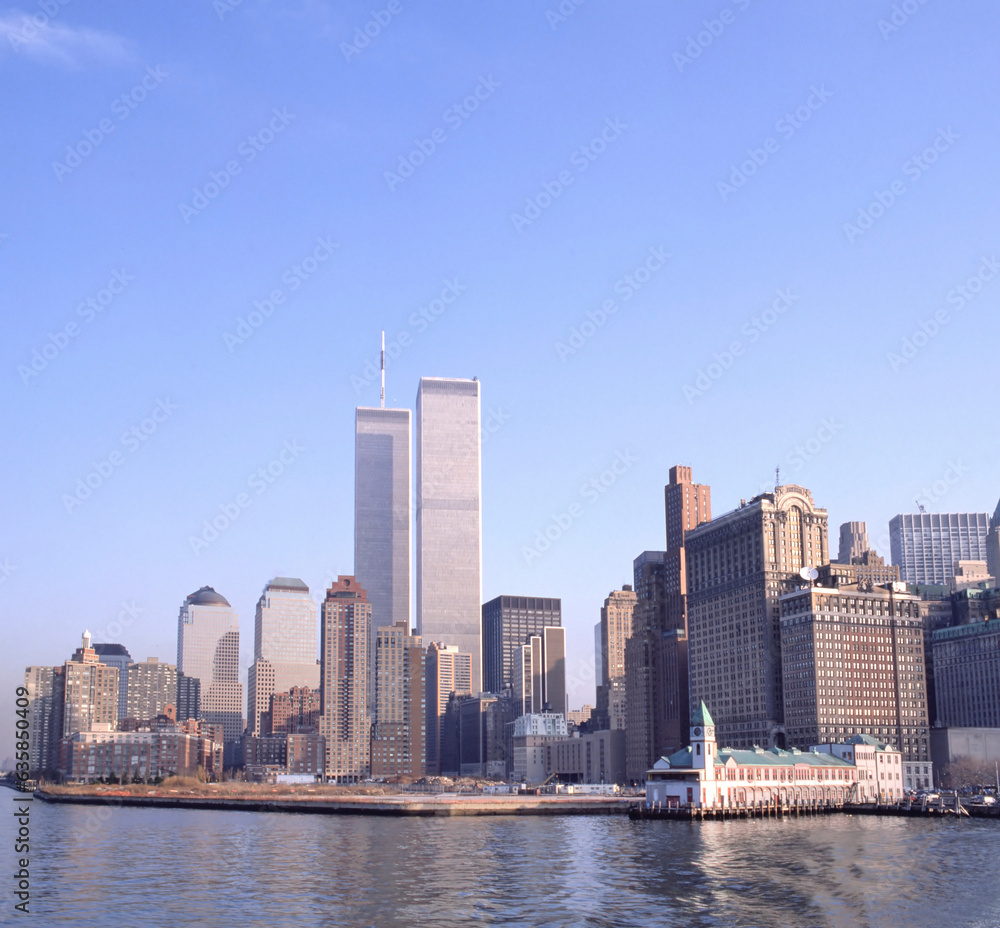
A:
(150, 867)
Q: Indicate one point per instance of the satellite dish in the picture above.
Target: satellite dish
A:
(809, 573)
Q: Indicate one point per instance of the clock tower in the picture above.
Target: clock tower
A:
(703, 747)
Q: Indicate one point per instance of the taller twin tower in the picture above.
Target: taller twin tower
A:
(448, 504)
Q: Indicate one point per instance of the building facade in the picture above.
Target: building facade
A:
(967, 674)
(46, 688)
(926, 545)
(284, 647)
(90, 691)
(116, 655)
(736, 565)
(448, 673)
(382, 512)
(539, 682)
(208, 649)
(594, 757)
(879, 767)
(449, 517)
(152, 688)
(853, 664)
(398, 729)
(703, 775)
(508, 622)
(617, 626)
(532, 733)
(345, 720)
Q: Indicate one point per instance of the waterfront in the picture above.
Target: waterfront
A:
(102, 866)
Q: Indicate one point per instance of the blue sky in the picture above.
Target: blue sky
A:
(733, 235)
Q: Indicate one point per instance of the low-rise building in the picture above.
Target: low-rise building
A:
(594, 757)
(531, 734)
(703, 775)
(879, 766)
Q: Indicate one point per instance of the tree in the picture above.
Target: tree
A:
(965, 772)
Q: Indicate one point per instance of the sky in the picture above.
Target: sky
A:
(735, 235)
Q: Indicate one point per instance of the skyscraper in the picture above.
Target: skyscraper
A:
(508, 622)
(46, 688)
(539, 678)
(448, 672)
(993, 546)
(853, 664)
(926, 545)
(152, 686)
(617, 617)
(735, 567)
(91, 691)
(382, 512)
(208, 649)
(116, 655)
(345, 720)
(853, 542)
(398, 736)
(449, 523)
(284, 647)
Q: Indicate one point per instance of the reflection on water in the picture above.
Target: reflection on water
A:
(155, 867)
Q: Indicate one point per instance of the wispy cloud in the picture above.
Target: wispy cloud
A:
(39, 37)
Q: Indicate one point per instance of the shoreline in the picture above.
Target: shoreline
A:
(392, 805)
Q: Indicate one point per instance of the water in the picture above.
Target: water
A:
(151, 868)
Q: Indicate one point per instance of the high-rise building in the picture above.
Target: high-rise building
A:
(926, 545)
(617, 616)
(293, 712)
(208, 649)
(853, 664)
(540, 673)
(91, 691)
(116, 655)
(188, 697)
(853, 541)
(993, 546)
(735, 568)
(967, 674)
(658, 715)
(382, 512)
(284, 648)
(398, 735)
(508, 622)
(448, 671)
(152, 687)
(46, 688)
(449, 517)
(345, 719)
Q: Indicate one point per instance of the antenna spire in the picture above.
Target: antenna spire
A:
(382, 398)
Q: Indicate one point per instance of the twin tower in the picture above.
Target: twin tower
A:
(447, 498)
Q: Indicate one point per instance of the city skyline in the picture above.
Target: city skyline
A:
(642, 263)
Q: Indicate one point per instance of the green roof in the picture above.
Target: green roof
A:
(702, 716)
(760, 757)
